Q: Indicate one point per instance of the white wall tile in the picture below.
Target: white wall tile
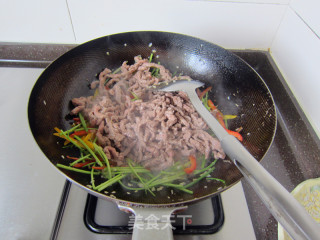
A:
(308, 10)
(35, 21)
(230, 25)
(296, 50)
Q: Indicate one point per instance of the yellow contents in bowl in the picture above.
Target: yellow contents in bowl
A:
(308, 194)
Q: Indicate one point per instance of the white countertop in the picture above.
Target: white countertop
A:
(30, 188)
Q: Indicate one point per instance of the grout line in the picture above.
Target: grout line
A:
(301, 18)
(278, 28)
(74, 33)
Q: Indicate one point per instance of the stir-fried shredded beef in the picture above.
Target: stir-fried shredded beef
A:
(153, 129)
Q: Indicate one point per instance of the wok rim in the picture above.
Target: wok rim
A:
(151, 205)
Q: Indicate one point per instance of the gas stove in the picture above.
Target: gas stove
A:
(215, 218)
(235, 214)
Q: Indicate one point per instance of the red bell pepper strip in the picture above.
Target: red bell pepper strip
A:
(73, 158)
(79, 133)
(99, 168)
(79, 165)
(235, 134)
(219, 115)
(201, 95)
(76, 120)
(211, 105)
(193, 165)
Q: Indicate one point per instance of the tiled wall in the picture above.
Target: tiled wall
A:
(232, 25)
(237, 24)
(290, 28)
(296, 50)
(35, 21)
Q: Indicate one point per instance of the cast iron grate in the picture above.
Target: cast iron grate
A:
(93, 226)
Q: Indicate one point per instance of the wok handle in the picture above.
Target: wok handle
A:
(283, 206)
(152, 223)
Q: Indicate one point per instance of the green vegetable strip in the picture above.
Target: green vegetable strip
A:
(129, 171)
(179, 187)
(167, 180)
(81, 128)
(153, 72)
(205, 101)
(167, 173)
(90, 151)
(157, 71)
(109, 182)
(153, 179)
(142, 169)
(89, 164)
(226, 123)
(72, 129)
(83, 122)
(76, 169)
(150, 58)
(203, 162)
(80, 159)
(104, 156)
(217, 179)
(70, 140)
(205, 169)
(137, 175)
(117, 70)
(135, 97)
(92, 179)
(205, 174)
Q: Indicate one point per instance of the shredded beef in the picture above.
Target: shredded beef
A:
(154, 130)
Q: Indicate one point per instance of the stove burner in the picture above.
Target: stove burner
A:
(178, 226)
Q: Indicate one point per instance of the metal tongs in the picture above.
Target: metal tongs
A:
(282, 205)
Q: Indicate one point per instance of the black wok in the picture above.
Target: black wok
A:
(237, 90)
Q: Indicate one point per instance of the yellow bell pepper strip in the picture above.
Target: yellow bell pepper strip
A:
(87, 141)
(229, 117)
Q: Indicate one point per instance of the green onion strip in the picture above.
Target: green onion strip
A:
(90, 151)
(137, 175)
(76, 169)
(104, 156)
(108, 183)
(83, 122)
(80, 159)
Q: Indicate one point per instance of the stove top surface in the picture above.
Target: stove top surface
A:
(72, 221)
